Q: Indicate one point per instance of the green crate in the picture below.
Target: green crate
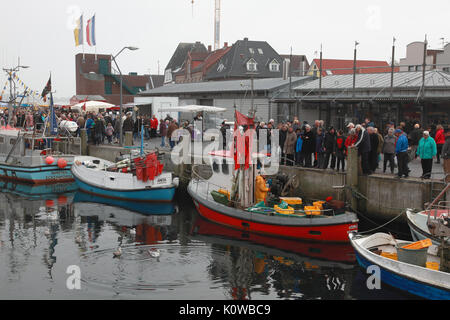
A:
(220, 197)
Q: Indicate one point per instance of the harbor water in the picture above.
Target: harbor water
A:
(52, 234)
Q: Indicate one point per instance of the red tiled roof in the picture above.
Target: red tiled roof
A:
(211, 59)
(330, 64)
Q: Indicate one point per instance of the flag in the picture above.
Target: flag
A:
(78, 32)
(53, 123)
(90, 32)
(47, 89)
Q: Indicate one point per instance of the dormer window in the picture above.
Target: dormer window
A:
(220, 68)
(251, 65)
(274, 66)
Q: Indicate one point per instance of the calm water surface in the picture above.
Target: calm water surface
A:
(42, 235)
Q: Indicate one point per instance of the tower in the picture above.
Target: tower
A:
(217, 25)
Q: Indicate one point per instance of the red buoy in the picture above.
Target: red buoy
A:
(62, 163)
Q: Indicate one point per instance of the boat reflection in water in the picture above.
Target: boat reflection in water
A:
(147, 223)
(256, 264)
(44, 191)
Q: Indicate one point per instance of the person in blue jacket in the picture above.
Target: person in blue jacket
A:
(426, 150)
(401, 150)
(298, 148)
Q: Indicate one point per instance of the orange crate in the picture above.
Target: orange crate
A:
(389, 255)
(312, 210)
(433, 266)
(421, 244)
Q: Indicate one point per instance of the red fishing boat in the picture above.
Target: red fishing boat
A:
(228, 198)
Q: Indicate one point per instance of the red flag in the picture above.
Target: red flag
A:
(242, 120)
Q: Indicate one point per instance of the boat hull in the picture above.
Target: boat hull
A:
(394, 274)
(331, 229)
(142, 195)
(36, 175)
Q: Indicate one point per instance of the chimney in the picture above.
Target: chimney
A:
(245, 39)
(225, 45)
(209, 48)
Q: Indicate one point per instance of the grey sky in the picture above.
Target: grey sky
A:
(39, 31)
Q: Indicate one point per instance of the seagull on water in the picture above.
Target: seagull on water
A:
(118, 252)
(155, 253)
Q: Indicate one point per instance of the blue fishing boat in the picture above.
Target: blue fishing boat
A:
(25, 159)
(127, 180)
(423, 280)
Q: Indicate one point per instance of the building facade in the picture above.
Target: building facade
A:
(95, 76)
(388, 97)
(414, 57)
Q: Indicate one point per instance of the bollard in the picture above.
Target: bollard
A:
(352, 175)
(84, 142)
(128, 139)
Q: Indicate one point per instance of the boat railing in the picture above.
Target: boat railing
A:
(197, 180)
(440, 207)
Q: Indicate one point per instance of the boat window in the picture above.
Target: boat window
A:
(2, 140)
(313, 232)
(225, 167)
(215, 167)
(12, 141)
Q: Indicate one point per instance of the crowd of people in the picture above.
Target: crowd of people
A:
(302, 144)
(388, 148)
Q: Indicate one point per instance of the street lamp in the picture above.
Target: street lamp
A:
(121, 85)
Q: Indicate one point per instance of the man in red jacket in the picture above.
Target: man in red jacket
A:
(153, 126)
(440, 140)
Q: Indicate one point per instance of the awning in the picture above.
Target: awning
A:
(193, 109)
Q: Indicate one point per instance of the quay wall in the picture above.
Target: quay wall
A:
(380, 197)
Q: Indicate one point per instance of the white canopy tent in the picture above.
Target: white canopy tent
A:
(92, 106)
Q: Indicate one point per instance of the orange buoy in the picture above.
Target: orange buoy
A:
(62, 163)
(49, 160)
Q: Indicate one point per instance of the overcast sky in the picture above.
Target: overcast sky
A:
(40, 31)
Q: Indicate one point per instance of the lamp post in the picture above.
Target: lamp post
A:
(12, 97)
(121, 90)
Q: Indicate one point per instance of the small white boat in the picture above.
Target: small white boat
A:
(418, 223)
(120, 181)
(433, 222)
(380, 249)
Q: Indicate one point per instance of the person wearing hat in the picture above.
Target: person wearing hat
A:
(363, 145)
(426, 150)
(401, 150)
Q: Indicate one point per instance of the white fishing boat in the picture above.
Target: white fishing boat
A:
(433, 222)
(418, 272)
(135, 179)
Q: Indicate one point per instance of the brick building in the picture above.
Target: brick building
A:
(96, 76)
